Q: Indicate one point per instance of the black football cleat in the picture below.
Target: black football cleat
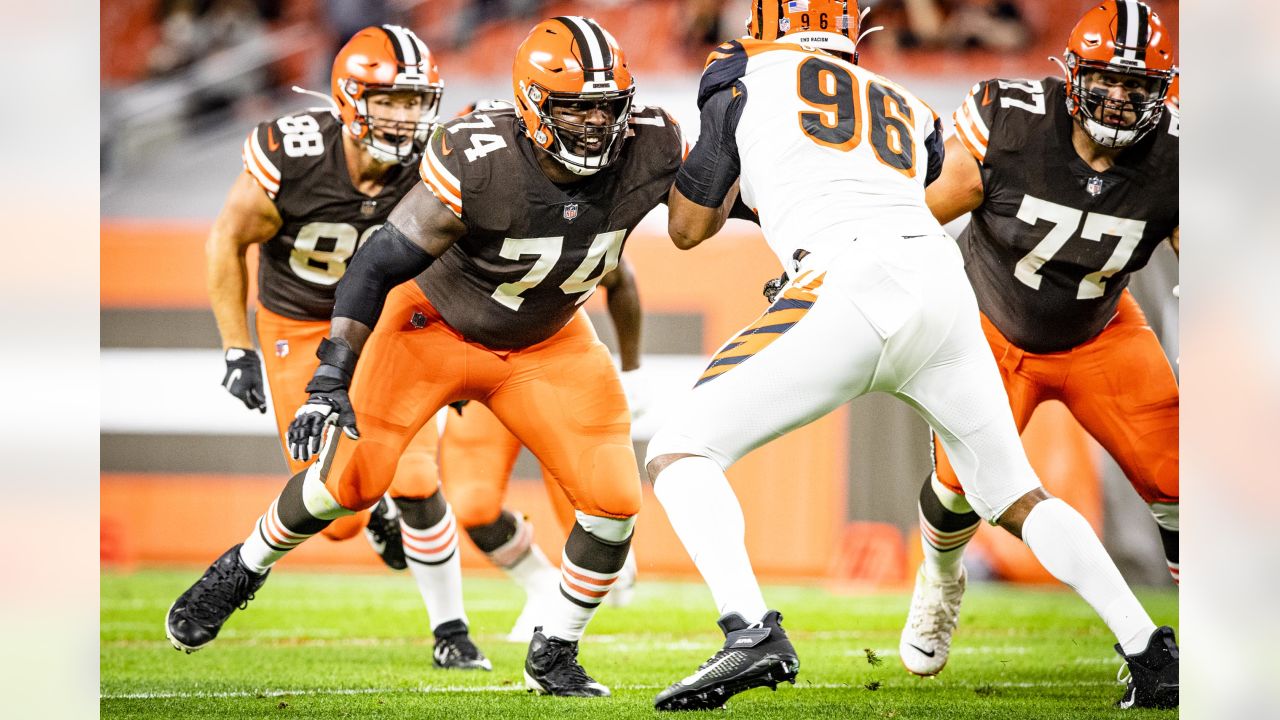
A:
(198, 614)
(454, 649)
(1153, 673)
(753, 656)
(551, 668)
(383, 533)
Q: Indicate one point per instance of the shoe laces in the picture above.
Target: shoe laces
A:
(460, 646)
(229, 589)
(564, 663)
(938, 610)
(1123, 674)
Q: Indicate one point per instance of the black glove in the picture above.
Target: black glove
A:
(244, 378)
(328, 403)
(774, 286)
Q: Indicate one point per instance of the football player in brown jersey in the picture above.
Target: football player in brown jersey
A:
(518, 217)
(478, 453)
(1072, 185)
(315, 186)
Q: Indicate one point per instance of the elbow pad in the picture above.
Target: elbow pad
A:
(386, 260)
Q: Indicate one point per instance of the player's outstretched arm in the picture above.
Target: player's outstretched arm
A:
(623, 299)
(689, 223)
(624, 310)
(419, 230)
(958, 189)
(248, 217)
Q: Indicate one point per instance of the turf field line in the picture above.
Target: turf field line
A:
(314, 692)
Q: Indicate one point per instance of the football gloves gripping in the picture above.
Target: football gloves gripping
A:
(328, 403)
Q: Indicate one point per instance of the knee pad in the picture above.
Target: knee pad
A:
(1166, 515)
(951, 500)
(474, 505)
(610, 530)
(317, 499)
(614, 488)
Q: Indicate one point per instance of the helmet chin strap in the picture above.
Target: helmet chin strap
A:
(572, 167)
(1108, 136)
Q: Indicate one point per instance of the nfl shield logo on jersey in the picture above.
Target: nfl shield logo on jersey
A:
(570, 211)
(1094, 186)
(282, 348)
(368, 208)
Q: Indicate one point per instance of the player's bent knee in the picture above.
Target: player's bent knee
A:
(655, 466)
(474, 509)
(610, 530)
(614, 489)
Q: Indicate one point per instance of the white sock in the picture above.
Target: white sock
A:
(269, 541)
(436, 567)
(708, 519)
(1066, 546)
(581, 592)
(534, 572)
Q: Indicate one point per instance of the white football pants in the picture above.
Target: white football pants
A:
(892, 314)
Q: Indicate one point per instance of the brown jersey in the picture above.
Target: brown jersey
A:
(534, 251)
(1052, 246)
(299, 160)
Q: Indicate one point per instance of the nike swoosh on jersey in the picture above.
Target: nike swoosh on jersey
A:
(986, 100)
(271, 141)
(444, 145)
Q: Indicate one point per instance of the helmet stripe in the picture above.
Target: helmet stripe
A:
(1126, 28)
(406, 51)
(591, 46)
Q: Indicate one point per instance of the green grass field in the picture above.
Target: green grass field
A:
(346, 646)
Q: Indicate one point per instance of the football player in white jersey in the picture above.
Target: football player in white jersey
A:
(835, 160)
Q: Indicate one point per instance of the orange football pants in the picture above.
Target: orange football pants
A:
(289, 354)
(1120, 388)
(561, 398)
(477, 453)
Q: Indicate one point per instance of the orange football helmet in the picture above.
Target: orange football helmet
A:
(827, 24)
(386, 58)
(573, 92)
(1119, 48)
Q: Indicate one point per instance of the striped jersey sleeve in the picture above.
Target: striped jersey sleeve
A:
(975, 116)
(440, 170)
(263, 157)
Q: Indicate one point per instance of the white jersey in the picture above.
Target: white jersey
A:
(828, 150)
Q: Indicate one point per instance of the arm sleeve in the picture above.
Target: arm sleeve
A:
(263, 157)
(387, 259)
(713, 165)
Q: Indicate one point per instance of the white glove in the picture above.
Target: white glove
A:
(636, 387)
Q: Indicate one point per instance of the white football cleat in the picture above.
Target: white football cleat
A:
(935, 611)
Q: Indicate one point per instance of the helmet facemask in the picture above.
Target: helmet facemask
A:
(587, 129)
(390, 140)
(1115, 105)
